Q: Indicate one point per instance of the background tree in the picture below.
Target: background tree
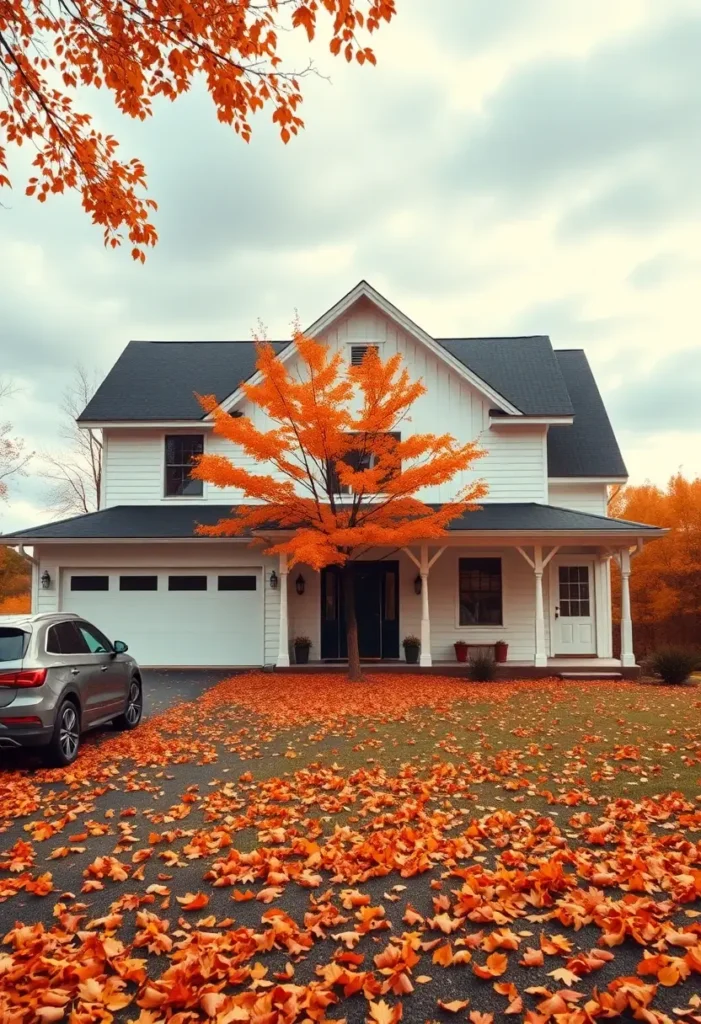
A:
(335, 427)
(15, 582)
(75, 471)
(666, 580)
(13, 454)
(141, 50)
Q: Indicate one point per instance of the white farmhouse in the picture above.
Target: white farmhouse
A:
(531, 568)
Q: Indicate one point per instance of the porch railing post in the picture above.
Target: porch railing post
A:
(283, 656)
(627, 654)
(425, 658)
(541, 655)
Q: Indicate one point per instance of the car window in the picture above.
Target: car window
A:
(97, 642)
(13, 643)
(64, 638)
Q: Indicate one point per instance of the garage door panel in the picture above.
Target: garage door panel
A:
(166, 617)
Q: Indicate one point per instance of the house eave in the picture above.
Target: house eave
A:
(567, 480)
(35, 541)
(202, 424)
(525, 421)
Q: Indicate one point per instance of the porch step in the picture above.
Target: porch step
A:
(590, 675)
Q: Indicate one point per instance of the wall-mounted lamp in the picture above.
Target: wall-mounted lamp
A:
(45, 580)
(300, 584)
(273, 580)
(417, 584)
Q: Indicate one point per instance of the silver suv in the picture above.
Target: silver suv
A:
(60, 676)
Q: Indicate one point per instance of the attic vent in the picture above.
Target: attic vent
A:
(358, 353)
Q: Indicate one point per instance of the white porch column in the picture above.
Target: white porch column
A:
(541, 654)
(425, 657)
(627, 655)
(283, 656)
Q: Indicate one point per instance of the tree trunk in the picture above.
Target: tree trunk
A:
(354, 673)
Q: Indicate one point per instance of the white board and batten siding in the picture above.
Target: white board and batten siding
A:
(514, 466)
(581, 497)
(259, 614)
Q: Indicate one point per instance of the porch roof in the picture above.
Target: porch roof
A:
(179, 522)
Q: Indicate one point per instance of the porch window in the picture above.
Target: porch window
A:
(181, 451)
(480, 592)
(359, 460)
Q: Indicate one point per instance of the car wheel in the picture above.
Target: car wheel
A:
(63, 748)
(134, 709)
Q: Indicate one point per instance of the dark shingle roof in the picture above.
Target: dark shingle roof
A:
(177, 521)
(157, 380)
(588, 447)
(523, 370)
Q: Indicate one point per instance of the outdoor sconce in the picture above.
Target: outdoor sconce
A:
(273, 580)
(45, 580)
(417, 584)
(299, 584)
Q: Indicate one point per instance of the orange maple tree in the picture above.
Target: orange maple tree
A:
(15, 582)
(666, 578)
(141, 50)
(337, 478)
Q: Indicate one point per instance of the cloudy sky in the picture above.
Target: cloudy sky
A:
(509, 166)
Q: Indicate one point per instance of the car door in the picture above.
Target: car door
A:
(110, 681)
(73, 664)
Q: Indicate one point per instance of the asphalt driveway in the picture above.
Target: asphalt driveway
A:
(164, 688)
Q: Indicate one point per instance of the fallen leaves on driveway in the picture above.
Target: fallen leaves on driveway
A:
(496, 866)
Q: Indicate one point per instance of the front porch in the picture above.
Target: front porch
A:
(548, 598)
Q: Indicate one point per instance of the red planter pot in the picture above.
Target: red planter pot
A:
(501, 651)
(461, 652)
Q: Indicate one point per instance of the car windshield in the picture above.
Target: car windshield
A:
(13, 643)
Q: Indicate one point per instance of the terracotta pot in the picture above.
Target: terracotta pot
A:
(501, 650)
(461, 651)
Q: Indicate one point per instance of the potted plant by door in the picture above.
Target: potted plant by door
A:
(501, 650)
(302, 644)
(460, 650)
(411, 645)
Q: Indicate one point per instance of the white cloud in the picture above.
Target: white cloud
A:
(454, 176)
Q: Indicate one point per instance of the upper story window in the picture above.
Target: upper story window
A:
(359, 460)
(181, 450)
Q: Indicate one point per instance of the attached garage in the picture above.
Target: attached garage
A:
(174, 617)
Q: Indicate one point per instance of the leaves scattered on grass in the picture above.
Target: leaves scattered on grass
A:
(496, 892)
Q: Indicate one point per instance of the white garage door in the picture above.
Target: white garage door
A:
(173, 617)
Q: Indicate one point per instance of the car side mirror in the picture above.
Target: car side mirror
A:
(120, 647)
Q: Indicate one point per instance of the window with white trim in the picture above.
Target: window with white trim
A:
(182, 450)
(358, 460)
(480, 592)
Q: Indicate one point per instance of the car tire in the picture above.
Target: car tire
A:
(135, 706)
(65, 740)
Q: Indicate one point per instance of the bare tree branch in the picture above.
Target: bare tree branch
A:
(13, 455)
(76, 470)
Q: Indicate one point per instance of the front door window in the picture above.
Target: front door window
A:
(574, 618)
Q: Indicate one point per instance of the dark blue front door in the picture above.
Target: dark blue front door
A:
(376, 609)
